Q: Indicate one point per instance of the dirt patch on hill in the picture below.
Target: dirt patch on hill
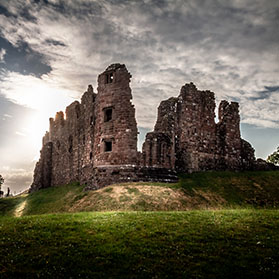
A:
(145, 198)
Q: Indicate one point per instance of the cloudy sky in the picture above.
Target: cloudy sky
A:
(50, 50)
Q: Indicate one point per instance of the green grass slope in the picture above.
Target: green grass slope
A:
(207, 190)
(193, 244)
(238, 242)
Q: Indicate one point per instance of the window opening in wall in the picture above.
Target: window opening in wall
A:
(91, 120)
(109, 78)
(163, 152)
(83, 139)
(91, 155)
(107, 114)
(108, 146)
(150, 154)
(169, 159)
(70, 144)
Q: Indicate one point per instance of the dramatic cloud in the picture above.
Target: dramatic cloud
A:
(51, 50)
(229, 49)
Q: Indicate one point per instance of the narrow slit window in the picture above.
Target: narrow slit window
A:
(108, 146)
(70, 149)
(107, 115)
(109, 78)
(58, 144)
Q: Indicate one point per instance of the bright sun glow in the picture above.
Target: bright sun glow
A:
(34, 128)
(44, 98)
(36, 93)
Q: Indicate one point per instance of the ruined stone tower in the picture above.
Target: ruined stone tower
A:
(96, 143)
(115, 141)
(194, 142)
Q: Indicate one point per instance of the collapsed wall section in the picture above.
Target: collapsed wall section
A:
(228, 136)
(186, 125)
(159, 147)
(68, 146)
(43, 168)
(196, 134)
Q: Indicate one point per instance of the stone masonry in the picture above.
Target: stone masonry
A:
(186, 137)
(96, 142)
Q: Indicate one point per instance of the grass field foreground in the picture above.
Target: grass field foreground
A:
(193, 244)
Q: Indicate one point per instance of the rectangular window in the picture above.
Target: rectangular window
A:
(109, 78)
(108, 146)
(107, 114)
(91, 120)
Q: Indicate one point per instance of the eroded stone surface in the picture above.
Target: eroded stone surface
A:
(96, 143)
(186, 137)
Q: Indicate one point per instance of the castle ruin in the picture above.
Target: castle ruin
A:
(96, 143)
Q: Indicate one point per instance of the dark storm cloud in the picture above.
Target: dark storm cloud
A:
(55, 43)
(25, 14)
(227, 47)
(71, 8)
(269, 90)
(5, 12)
(22, 59)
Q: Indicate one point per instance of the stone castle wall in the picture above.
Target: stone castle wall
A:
(186, 137)
(96, 142)
(115, 124)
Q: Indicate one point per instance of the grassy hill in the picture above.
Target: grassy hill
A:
(207, 190)
(146, 230)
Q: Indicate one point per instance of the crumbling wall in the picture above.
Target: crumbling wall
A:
(68, 145)
(115, 139)
(228, 136)
(159, 147)
(186, 125)
(196, 135)
(97, 138)
(87, 130)
(95, 143)
(248, 156)
(43, 168)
